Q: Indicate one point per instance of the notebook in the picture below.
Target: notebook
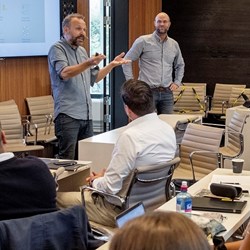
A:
(215, 205)
(129, 214)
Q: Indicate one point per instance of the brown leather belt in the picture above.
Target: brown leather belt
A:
(160, 89)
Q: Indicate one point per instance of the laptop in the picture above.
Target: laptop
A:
(216, 205)
(129, 214)
(105, 234)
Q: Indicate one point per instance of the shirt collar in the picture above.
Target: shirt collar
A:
(158, 38)
(143, 118)
(6, 156)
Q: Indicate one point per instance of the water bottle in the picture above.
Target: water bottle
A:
(184, 200)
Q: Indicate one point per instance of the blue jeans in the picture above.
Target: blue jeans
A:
(68, 132)
(164, 101)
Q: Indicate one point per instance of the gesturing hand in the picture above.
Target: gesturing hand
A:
(96, 59)
(119, 60)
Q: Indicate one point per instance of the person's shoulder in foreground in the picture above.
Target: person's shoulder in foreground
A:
(26, 188)
(159, 231)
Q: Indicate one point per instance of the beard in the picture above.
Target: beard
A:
(77, 41)
(162, 31)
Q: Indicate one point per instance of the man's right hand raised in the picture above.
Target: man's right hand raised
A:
(96, 59)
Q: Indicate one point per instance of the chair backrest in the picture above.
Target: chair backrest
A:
(195, 84)
(200, 138)
(234, 144)
(63, 229)
(236, 97)
(150, 184)
(181, 126)
(11, 122)
(41, 109)
(190, 99)
(11, 101)
(221, 96)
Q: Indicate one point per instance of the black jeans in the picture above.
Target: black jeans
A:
(69, 131)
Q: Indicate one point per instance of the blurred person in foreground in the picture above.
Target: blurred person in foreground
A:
(160, 231)
(27, 187)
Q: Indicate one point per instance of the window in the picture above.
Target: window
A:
(99, 14)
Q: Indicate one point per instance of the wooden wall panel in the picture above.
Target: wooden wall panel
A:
(83, 7)
(141, 17)
(141, 20)
(214, 39)
(23, 77)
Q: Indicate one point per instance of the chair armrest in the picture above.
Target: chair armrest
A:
(181, 125)
(155, 179)
(207, 102)
(48, 120)
(239, 134)
(26, 126)
(214, 125)
(225, 105)
(56, 174)
(241, 141)
(191, 156)
(112, 198)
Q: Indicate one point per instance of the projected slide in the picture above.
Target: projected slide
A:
(22, 21)
(28, 27)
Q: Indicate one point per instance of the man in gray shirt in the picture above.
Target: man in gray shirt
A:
(158, 56)
(72, 73)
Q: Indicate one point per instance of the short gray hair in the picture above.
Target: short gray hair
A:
(66, 21)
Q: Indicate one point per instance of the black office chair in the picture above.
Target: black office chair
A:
(149, 184)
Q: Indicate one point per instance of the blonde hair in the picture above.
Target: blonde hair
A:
(160, 231)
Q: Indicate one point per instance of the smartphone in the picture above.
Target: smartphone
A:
(65, 163)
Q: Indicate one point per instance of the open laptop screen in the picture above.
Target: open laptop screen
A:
(130, 213)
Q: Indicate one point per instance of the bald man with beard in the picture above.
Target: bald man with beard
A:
(159, 57)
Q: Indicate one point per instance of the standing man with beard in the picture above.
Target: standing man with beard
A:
(159, 57)
(72, 73)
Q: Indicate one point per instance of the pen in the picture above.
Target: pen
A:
(226, 199)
